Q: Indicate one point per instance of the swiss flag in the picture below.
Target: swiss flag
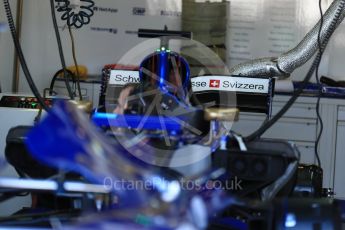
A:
(214, 83)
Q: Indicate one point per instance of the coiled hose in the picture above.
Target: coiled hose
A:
(76, 19)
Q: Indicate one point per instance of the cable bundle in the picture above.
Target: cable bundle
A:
(21, 57)
(73, 18)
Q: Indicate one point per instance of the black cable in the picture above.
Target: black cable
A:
(309, 75)
(62, 58)
(317, 155)
(56, 75)
(23, 218)
(21, 56)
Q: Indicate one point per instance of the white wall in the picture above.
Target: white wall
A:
(337, 57)
(95, 49)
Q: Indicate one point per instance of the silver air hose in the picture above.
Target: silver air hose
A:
(284, 65)
(337, 9)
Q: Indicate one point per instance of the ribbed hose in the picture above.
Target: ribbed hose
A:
(75, 63)
(62, 58)
(21, 56)
(103, 90)
(329, 33)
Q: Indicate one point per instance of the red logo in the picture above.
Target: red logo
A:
(214, 83)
